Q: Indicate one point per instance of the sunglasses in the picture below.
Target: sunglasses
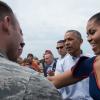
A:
(59, 47)
(22, 44)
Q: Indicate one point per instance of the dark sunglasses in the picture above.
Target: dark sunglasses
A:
(22, 44)
(59, 47)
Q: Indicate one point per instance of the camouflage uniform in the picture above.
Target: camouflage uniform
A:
(18, 83)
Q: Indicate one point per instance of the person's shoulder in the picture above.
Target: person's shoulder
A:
(40, 88)
(14, 80)
(87, 54)
(12, 66)
(28, 85)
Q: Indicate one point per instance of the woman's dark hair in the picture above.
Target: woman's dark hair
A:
(96, 18)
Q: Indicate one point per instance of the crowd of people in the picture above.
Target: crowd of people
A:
(45, 66)
(72, 76)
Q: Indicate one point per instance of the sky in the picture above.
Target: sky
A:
(44, 22)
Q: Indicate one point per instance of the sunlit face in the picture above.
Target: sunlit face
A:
(61, 48)
(72, 43)
(93, 32)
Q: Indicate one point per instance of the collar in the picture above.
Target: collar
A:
(74, 57)
(3, 54)
(50, 64)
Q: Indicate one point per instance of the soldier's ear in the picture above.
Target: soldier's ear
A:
(6, 24)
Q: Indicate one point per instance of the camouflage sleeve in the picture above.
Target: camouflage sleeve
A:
(39, 88)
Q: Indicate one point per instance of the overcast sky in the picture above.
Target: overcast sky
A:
(44, 22)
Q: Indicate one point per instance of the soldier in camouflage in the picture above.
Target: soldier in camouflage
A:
(16, 82)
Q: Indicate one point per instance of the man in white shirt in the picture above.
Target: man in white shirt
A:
(61, 62)
(62, 52)
(80, 90)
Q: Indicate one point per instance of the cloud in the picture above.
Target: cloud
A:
(45, 21)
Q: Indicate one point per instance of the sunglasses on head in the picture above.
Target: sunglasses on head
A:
(22, 44)
(59, 47)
